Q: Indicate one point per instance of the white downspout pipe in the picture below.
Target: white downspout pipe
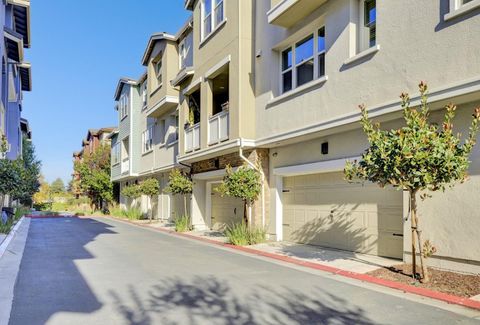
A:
(262, 175)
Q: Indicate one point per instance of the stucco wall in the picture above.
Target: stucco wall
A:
(415, 44)
(450, 220)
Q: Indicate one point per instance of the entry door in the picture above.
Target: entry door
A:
(225, 210)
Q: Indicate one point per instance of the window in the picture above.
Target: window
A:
(461, 7)
(212, 17)
(123, 106)
(182, 52)
(158, 71)
(163, 131)
(176, 119)
(116, 154)
(144, 93)
(370, 21)
(147, 139)
(303, 62)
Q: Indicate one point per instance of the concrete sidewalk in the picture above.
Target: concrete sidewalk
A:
(344, 260)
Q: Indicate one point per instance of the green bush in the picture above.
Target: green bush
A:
(241, 235)
(21, 211)
(182, 224)
(133, 214)
(116, 211)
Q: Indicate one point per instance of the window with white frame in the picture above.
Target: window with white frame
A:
(144, 93)
(213, 14)
(304, 61)
(182, 54)
(116, 153)
(367, 29)
(123, 106)
(461, 7)
(162, 129)
(147, 139)
(158, 70)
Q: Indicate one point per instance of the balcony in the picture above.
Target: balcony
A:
(192, 138)
(125, 166)
(286, 13)
(218, 127)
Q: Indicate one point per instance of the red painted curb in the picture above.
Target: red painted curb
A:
(466, 302)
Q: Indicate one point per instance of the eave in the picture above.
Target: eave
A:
(151, 44)
(21, 13)
(26, 76)
(13, 44)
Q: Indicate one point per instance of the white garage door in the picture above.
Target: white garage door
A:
(323, 209)
(225, 210)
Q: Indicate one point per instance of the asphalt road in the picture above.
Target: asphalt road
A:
(100, 271)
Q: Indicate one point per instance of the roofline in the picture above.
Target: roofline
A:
(186, 26)
(189, 4)
(153, 39)
(26, 5)
(121, 82)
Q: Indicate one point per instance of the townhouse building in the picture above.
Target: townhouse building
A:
(16, 72)
(276, 85)
(94, 139)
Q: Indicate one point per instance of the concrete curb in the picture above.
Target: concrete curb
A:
(450, 299)
(6, 241)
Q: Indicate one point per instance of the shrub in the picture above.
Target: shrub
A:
(116, 211)
(133, 214)
(182, 224)
(241, 234)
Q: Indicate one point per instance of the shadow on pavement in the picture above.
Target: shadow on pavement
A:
(207, 300)
(49, 281)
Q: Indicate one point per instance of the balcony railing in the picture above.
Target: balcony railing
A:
(192, 138)
(218, 128)
(125, 166)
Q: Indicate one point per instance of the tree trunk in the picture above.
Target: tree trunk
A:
(245, 217)
(416, 231)
(413, 218)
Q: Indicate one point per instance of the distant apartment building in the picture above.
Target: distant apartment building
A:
(94, 138)
(276, 85)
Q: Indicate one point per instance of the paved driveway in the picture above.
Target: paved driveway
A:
(99, 271)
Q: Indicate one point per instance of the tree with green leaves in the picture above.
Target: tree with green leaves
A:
(150, 188)
(10, 174)
(131, 191)
(57, 186)
(181, 184)
(244, 183)
(30, 173)
(419, 157)
(94, 176)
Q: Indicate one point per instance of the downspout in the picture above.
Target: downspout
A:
(262, 175)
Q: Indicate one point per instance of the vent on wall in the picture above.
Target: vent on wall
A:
(325, 148)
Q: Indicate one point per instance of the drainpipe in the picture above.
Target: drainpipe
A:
(252, 165)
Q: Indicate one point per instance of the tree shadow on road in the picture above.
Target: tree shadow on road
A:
(49, 281)
(207, 300)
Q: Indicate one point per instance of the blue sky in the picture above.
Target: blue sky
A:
(80, 48)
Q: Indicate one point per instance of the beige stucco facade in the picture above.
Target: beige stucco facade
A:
(303, 136)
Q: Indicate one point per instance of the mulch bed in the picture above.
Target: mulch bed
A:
(457, 284)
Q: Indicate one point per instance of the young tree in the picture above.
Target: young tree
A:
(421, 156)
(244, 183)
(57, 186)
(30, 173)
(179, 183)
(94, 176)
(10, 174)
(132, 191)
(43, 195)
(150, 188)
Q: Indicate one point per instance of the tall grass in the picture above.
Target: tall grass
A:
(182, 224)
(241, 235)
(133, 214)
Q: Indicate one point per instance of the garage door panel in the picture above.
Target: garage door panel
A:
(325, 210)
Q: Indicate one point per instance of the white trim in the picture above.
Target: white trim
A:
(165, 100)
(278, 207)
(464, 87)
(194, 85)
(202, 153)
(212, 33)
(296, 91)
(372, 50)
(210, 175)
(326, 166)
(213, 25)
(212, 72)
(457, 9)
(280, 9)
